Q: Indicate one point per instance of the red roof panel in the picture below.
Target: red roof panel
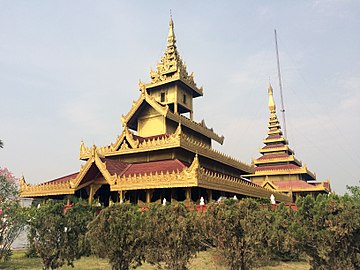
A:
(273, 156)
(115, 166)
(293, 184)
(273, 136)
(64, 179)
(277, 167)
(155, 166)
(269, 146)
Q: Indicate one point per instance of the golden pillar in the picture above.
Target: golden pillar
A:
(148, 195)
(175, 107)
(121, 196)
(92, 190)
(209, 193)
(188, 194)
(91, 194)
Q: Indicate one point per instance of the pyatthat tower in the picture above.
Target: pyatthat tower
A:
(278, 169)
(161, 152)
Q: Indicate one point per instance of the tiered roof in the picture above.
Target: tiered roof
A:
(278, 165)
(277, 156)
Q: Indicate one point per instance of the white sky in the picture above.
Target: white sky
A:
(69, 69)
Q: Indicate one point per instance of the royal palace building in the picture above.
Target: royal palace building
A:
(162, 153)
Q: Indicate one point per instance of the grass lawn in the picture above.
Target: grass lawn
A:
(204, 260)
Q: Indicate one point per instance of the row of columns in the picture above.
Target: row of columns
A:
(93, 188)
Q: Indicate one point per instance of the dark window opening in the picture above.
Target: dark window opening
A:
(184, 99)
(162, 97)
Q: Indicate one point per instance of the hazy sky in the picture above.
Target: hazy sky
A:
(69, 69)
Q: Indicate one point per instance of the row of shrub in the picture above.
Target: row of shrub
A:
(325, 230)
(245, 233)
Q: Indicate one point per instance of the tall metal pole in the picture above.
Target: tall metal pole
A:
(280, 85)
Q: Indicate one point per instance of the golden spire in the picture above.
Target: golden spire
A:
(274, 126)
(171, 67)
(171, 36)
(272, 106)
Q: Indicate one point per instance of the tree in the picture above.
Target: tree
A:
(239, 231)
(47, 233)
(281, 240)
(58, 237)
(11, 215)
(354, 192)
(77, 219)
(328, 231)
(118, 234)
(173, 236)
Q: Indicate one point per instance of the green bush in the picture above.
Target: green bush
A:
(328, 231)
(281, 240)
(173, 236)
(58, 237)
(239, 230)
(117, 233)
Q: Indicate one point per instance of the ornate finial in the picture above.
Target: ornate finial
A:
(22, 182)
(196, 158)
(142, 87)
(272, 106)
(195, 165)
(171, 36)
(178, 130)
(93, 150)
(122, 119)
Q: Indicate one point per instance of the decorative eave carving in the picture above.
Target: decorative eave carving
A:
(179, 139)
(276, 149)
(199, 127)
(277, 131)
(85, 152)
(301, 170)
(45, 189)
(321, 187)
(214, 180)
(281, 139)
(312, 174)
(206, 151)
(270, 160)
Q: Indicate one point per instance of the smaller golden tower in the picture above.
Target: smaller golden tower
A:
(278, 168)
